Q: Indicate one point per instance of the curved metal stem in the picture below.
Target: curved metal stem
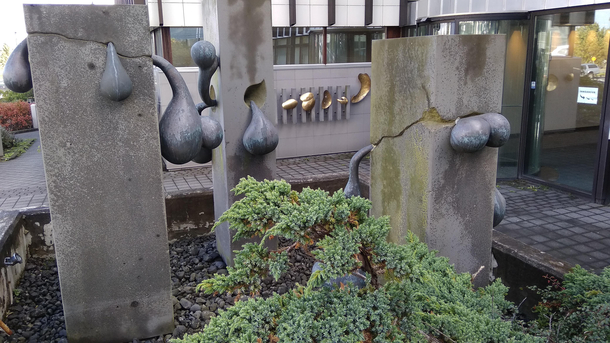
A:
(176, 81)
(201, 106)
(352, 188)
(205, 77)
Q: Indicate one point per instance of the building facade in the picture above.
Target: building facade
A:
(555, 72)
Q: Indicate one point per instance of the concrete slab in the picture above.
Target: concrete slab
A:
(103, 171)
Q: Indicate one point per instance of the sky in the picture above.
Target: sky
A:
(12, 26)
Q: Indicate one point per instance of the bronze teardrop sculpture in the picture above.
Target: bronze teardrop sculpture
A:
(261, 137)
(115, 84)
(365, 88)
(180, 128)
(17, 74)
(342, 100)
(308, 101)
(289, 104)
(327, 100)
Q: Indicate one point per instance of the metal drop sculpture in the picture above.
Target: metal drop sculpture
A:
(472, 134)
(289, 104)
(261, 137)
(115, 84)
(327, 100)
(352, 188)
(365, 88)
(212, 137)
(204, 55)
(180, 127)
(17, 74)
(499, 207)
(308, 101)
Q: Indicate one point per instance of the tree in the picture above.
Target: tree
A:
(4, 54)
(591, 42)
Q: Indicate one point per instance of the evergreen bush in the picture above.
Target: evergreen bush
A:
(411, 295)
(8, 139)
(577, 310)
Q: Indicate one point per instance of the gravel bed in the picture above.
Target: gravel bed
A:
(37, 314)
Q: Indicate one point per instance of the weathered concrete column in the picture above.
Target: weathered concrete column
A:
(420, 86)
(241, 32)
(103, 168)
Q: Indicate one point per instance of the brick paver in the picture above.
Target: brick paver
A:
(558, 223)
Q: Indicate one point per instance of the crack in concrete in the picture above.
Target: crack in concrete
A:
(399, 134)
(431, 114)
(105, 44)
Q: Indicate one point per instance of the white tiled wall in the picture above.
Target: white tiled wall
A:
(305, 139)
(176, 13)
(347, 13)
(432, 8)
(308, 13)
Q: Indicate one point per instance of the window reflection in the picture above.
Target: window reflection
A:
(306, 45)
(182, 39)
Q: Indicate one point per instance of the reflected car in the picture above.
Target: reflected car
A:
(589, 69)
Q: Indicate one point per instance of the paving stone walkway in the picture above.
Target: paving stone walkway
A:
(557, 223)
(567, 227)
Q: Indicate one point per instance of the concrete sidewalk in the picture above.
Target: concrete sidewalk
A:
(562, 225)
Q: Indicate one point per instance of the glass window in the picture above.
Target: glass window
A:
(306, 45)
(514, 77)
(350, 46)
(568, 81)
(292, 45)
(182, 39)
(483, 27)
(442, 28)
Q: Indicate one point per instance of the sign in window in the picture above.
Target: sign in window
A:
(587, 95)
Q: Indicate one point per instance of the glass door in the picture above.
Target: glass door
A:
(567, 88)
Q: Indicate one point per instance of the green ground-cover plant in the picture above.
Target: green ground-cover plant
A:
(577, 309)
(13, 147)
(411, 295)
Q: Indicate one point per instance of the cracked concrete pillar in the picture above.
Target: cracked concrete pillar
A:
(102, 162)
(420, 86)
(241, 32)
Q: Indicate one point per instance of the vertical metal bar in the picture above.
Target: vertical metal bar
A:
(295, 111)
(368, 12)
(331, 12)
(166, 42)
(303, 112)
(348, 106)
(292, 9)
(285, 97)
(403, 13)
(324, 49)
(601, 180)
(316, 109)
(339, 93)
(526, 96)
(333, 107)
(160, 10)
(320, 109)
